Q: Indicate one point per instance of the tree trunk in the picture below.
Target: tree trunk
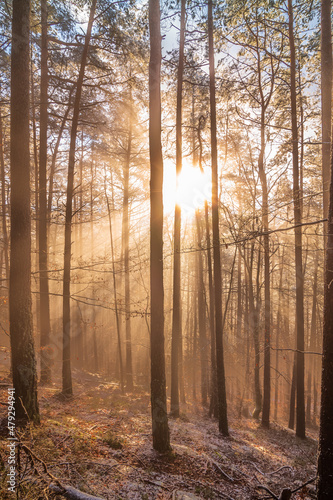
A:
(129, 370)
(45, 355)
(120, 358)
(54, 156)
(222, 397)
(325, 456)
(95, 363)
(213, 406)
(277, 337)
(300, 406)
(201, 316)
(267, 337)
(291, 423)
(3, 201)
(161, 437)
(254, 326)
(66, 366)
(21, 331)
(176, 317)
(36, 185)
(312, 343)
(326, 101)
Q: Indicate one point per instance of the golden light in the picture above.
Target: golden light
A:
(194, 188)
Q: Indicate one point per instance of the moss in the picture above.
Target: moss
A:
(110, 439)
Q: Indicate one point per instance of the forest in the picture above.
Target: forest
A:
(166, 250)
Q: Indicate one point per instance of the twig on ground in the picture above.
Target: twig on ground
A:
(278, 470)
(268, 491)
(224, 474)
(312, 480)
(72, 493)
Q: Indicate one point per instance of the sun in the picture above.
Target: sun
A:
(194, 187)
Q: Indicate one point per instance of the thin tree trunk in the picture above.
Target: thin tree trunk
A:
(267, 337)
(129, 369)
(176, 317)
(120, 358)
(291, 423)
(277, 341)
(312, 342)
(222, 397)
(66, 366)
(201, 316)
(161, 436)
(92, 254)
(194, 348)
(213, 407)
(3, 201)
(326, 101)
(45, 369)
(20, 315)
(54, 156)
(300, 407)
(239, 298)
(254, 326)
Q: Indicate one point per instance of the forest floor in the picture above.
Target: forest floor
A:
(100, 442)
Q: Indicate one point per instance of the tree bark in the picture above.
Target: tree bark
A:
(55, 154)
(267, 337)
(291, 423)
(222, 397)
(120, 358)
(20, 316)
(254, 310)
(326, 101)
(325, 455)
(201, 316)
(45, 355)
(176, 316)
(129, 370)
(213, 406)
(300, 400)
(3, 201)
(160, 429)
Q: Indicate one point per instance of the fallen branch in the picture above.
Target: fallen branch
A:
(284, 495)
(260, 487)
(312, 480)
(278, 470)
(71, 493)
(270, 473)
(212, 461)
(224, 474)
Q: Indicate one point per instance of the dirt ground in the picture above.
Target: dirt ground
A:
(100, 442)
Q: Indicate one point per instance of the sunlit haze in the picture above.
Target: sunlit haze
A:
(194, 188)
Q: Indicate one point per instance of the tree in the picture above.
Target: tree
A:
(221, 390)
(127, 165)
(300, 406)
(326, 98)
(21, 335)
(176, 317)
(201, 313)
(3, 199)
(67, 388)
(45, 374)
(325, 455)
(161, 437)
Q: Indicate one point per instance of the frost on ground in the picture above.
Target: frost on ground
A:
(99, 442)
